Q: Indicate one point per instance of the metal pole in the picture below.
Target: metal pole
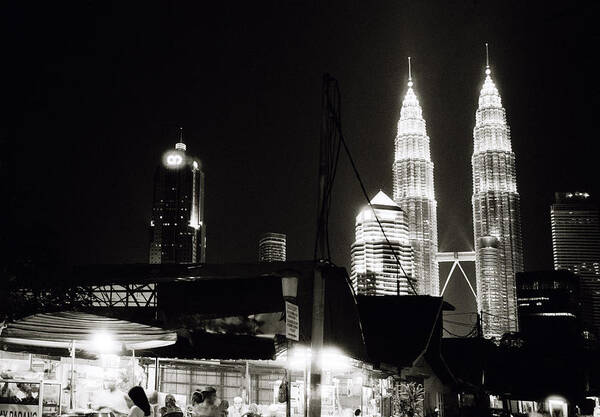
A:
(288, 372)
(316, 344)
(248, 383)
(72, 399)
(305, 373)
(133, 366)
(157, 374)
(324, 161)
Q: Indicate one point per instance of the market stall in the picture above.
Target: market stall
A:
(71, 361)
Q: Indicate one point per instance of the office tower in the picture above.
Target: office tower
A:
(496, 213)
(271, 247)
(414, 191)
(575, 221)
(375, 270)
(548, 305)
(177, 228)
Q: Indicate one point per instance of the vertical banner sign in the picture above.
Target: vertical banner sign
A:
(292, 321)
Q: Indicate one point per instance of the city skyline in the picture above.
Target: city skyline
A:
(105, 104)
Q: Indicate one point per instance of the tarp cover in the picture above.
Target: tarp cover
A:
(59, 330)
(399, 329)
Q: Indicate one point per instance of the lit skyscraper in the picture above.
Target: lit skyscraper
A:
(414, 191)
(374, 268)
(496, 214)
(271, 247)
(177, 229)
(575, 222)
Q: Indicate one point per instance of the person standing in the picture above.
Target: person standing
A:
(238, 408)
(141, 405)
(113, 399)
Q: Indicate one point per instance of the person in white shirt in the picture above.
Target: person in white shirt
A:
(238, 408)
(113, 400)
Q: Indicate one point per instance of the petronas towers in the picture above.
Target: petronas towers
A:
(414, 193)
(496, 214)
(496, 211)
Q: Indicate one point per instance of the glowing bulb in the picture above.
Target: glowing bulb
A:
(104, 342)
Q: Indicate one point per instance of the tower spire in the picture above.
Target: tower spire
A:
(487, 60)
(410, 83)
(180, 145)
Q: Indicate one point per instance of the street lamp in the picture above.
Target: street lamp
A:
(289, 288)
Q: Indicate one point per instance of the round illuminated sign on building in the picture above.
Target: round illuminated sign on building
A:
(174, 159)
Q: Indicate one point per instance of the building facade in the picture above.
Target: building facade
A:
(414, 191)
(548, 305)
(272, 247)
(177, 228)
(375, 270)
(496, 213)
(575, 222)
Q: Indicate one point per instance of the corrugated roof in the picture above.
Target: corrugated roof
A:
(59, 330)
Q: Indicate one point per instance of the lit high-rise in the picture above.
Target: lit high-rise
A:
(375, 270)
(414, 191)
(496, 214)
(177, 229)
(575, 221)
(271, 247)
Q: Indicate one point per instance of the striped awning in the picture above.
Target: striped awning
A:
(88, 331)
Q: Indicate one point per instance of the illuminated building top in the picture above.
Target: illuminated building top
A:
(177, 229)
(414, 190)
(496, 213)
(272, 247)
(180, 145)
(375, 269)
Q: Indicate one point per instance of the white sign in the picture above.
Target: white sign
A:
(19, 410)
(292, 321)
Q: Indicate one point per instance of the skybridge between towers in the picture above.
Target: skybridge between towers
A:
(456, 258)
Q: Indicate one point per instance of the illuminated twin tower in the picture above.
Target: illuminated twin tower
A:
(414, 193)
(496, 213)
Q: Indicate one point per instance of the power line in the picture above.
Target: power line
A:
(338, 123)
(466, 336)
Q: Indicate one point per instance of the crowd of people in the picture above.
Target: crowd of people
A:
(204, 403)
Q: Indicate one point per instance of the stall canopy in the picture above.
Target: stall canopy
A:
(241, 290)
(88, 331)
(400, 330)
(189, 294)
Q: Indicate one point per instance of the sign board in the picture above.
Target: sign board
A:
(19, 410)
(292, 321)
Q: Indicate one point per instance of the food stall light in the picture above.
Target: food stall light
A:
(557, 404)
(331, 359)
(104, 343)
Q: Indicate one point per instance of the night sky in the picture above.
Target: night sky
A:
(95, 92)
